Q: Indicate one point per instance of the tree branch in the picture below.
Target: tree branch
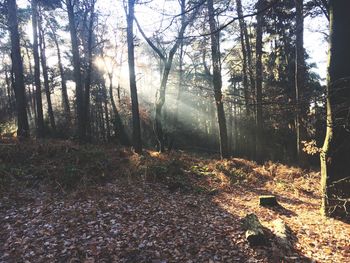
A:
(150, 43)
(272, 4)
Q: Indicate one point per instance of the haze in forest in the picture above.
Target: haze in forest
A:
(240, 100)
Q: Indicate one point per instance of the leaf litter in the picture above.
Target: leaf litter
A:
(111, 205)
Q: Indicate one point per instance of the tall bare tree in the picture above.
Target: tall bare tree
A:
(300, 71)
(217, 79)
(136, 132)
(167, 61)
(38, 92)
(259, 79)
(88, 73)
(17, 65)
(42, 45)
(65, 101)
(79, 91)
(247, 57)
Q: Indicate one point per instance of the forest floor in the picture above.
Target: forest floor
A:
(61, 202)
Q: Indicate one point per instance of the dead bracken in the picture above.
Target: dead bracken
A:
(156, 208)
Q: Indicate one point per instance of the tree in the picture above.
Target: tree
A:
(86, 120)
(259, 79)
(181, 70)
(167, 61)
(17, 64)
(79, 92)
(44, 67)
(52, 23)
(38, 92)
(335, 154)
(217, 79)
(301, 103)
(247, 66)
(136, 132)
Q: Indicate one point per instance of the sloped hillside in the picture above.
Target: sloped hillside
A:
(62, 202)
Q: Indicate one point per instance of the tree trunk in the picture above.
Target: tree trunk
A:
(236, 146)
(247, 140)
(39, 101)
(181, 72)
(99, 104)
(42, 46)
(81, 132)
(283, 233)
(11, 106)
(259, 79)
(13, 84)
(106, 111)
(65, 100)
(17, 64)
(119, 128)
(335, 155)
(301, 106)
(254, 230)
(245, 75)
(89, 71)
(136, 132)
(247, 56)
(160, 103)
(161, 95)
(217, 81)
(31, 105)
(167, 62)
(230, 128)
(8, 91)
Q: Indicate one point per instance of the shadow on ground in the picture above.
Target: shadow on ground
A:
(127, 223)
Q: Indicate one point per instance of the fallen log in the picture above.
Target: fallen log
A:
(254, 230)
(283, 234)
(268, 200)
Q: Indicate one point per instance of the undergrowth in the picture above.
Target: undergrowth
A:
(59, 164)
(66, 166)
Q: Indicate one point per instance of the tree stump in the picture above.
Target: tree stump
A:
(254, 230)
(268, 200)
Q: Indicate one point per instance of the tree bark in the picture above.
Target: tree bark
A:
(89, 71)
(81, 131)
(17, 64)
(65, 100)
(254, 230)
(217, 80)
(136, 132)
(181, 71)
(259, 80)
(245, 75)
(300, 70)
(11, 106)
(106, 111)
(31, 92)
(167, 62)
(38, 92)
(161, 95)
(119, 128)
(247, 56)
(335, 155)
(42, 46)
(160, 103)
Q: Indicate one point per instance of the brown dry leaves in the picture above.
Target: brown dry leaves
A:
(167, 208)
